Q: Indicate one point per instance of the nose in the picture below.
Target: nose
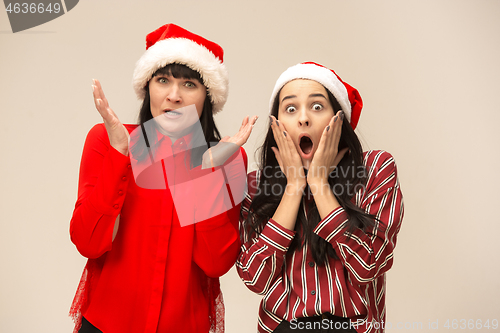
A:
(304, 120)
(173, 94)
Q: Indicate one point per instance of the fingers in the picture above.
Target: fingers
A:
(245, 130)
(254, 120)
(244, 122)
(101, 104)
(288, 151)
(100, 92)
(327, 153)
(99, 101)
(337, 131)
(332, 133)
(278, 133)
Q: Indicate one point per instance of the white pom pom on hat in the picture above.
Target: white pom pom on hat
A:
(347, 96)
(172, 44)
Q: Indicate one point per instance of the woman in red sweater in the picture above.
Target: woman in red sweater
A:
(157, 209)
(321, 219)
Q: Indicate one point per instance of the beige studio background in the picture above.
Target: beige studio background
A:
(427, 70)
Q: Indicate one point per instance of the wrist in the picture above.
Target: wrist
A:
(320, 188)
(317, 181)
(295, 188)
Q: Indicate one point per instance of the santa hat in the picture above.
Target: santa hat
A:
(347, 96)
(172, 44)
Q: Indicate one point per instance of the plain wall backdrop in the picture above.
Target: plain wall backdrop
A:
(427, 70)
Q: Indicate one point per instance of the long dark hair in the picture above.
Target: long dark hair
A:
(208, 126)
(350, 176)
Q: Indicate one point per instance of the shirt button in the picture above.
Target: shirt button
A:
(313, 292)
(116, 206)
(129, 166)
(311, 264)
(120, 192)
(124, 178)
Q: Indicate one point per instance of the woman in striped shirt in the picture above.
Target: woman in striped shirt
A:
(320, 220)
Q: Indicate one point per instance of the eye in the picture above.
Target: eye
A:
(162, 80)
(290, 109)
(317, 107)
(190, 84)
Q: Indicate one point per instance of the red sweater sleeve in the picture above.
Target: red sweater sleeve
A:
(217, 241)
(103, 180)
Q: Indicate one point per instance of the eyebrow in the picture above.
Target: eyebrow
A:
(317, 95)
(288, 97)
(312, 95)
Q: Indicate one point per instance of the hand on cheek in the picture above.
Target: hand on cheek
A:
(327, 156)
(288, 158)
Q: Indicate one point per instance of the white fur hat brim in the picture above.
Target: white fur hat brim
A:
(193, 55)
(319, 74)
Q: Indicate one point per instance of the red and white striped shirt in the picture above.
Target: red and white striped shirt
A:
(352, 286)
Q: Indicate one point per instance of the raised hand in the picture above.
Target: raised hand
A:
(227, 146)
(117, 133)
(327, 156)
(243, 134)
(288, 158)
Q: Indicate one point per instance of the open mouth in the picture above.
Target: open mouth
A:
(306, 144)
(172, 112)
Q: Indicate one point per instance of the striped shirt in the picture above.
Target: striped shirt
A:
(353, 286)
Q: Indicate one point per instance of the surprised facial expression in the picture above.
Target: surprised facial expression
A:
(176, 103)
(305, 111)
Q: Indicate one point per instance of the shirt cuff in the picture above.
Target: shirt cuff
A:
(276, 237)
(333, 226)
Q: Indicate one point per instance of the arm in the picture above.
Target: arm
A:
(217, 241)
(227, 146)
(261, 259)
(367, 255)
(104, 174)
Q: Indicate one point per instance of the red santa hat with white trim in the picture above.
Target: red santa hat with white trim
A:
(172, 44)
(348, 97)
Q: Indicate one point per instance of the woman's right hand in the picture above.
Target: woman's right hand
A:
(117, 133)
(288, 158)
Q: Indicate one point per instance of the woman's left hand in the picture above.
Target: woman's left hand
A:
(243, 134)
(227, 146)
(327, 156)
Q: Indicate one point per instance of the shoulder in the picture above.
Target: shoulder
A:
(378, 159)
(381, 169)
(97, 136)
